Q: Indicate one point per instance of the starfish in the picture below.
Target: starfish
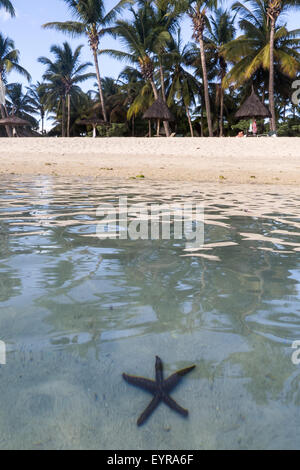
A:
(160, 388)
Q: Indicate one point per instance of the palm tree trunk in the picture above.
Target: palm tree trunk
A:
(202, 114)
(4, 113)
(63, 118)
(100, 85)
(205, 84)
(190, 121)
(201, 117)
(221, 111)
(271, 78)
(42, 117)
(69, 114)
(163, 92)
(155, 92)
(162, 82)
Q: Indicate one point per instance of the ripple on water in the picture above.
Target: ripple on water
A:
(77, 310)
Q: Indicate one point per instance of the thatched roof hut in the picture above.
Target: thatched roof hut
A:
(160, 111)
(253, 108)
(14, 121)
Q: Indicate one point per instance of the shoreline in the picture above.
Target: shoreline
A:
(212, 160)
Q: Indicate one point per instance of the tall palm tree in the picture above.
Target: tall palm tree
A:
(251, 55)
(37, 98)
(8, 6)
(141, 37)
(221, 31)
(55, 100)
(63, 74)
(182, 86)
(92, 20)
(266, 13)
(197, 11)
(164, 18)
(274, 9)
(9, 61)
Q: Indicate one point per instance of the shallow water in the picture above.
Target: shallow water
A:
(77, 311)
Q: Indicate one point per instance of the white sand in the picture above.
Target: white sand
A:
(232, 160)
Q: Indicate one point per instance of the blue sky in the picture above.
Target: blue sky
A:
(33, 41)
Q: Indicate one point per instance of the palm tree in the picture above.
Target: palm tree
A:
(92, 19)
(139, 95)
(182, 86)
(164, 18)
(250, 52)
(142, 38)
(55, 100)
(221, 31)
(63, 75)
(115, 100)
(274, 9)
(197, 11)
(37, 99)
(7, 5)
(19, 103)
(266, 13)
(9, 61)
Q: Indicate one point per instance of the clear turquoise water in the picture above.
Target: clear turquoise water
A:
(76, 312)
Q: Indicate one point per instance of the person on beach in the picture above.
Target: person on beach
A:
(254, 127)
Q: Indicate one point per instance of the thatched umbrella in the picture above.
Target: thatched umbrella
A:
(14, 121)
(253, 108)
(160, 111)
(94, 122)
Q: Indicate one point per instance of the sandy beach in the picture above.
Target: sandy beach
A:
(232, 160)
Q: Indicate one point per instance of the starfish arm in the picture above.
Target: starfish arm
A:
(149, 410)
(175, 378)
(159, 370)
(141, 382)
(174, 405)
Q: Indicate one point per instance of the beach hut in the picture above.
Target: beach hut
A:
(94, 122)
(253, 108)
(160, 111)
(14, 122)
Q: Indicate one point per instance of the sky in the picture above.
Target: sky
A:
(33, 41)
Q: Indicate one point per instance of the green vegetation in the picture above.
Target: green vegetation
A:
(204, 81)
